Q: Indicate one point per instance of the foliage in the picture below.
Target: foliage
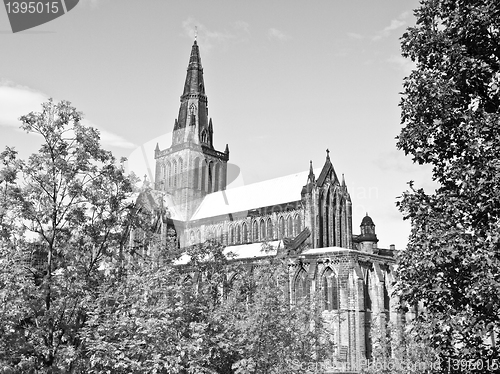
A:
(450, 116)
(65, 210)
(396, 350)
(80, 294)
(270, 335)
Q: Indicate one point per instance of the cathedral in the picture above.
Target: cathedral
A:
(306, 217)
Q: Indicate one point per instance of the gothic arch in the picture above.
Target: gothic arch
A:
(281, 223)
(231, 235)
(262, 229)
(270, 233)
(217, 177)
(204, 177)
(255, 231)
(168, 173)
(301, 286)
(174, 173)
(297, 224)
(238, 234)
(330, 290)
(196, 173)
(289, 225)
(210, 176)
(244, 229)
(179, 173)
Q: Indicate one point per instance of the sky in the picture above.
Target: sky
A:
(285, 80)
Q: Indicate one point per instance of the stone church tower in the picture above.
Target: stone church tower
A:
(191, 168)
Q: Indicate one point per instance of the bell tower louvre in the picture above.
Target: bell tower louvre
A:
(191, 167)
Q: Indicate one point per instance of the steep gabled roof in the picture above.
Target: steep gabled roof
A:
(257, 195)
(327, 170)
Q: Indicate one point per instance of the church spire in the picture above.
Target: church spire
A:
(192, 123)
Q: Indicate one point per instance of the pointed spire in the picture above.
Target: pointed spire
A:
(343, 181)
(157, 149)
(227, 149)
(210, 127)
(327, 154)
(311, 176)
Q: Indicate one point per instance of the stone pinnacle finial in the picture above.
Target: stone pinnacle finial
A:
(327, 154)
(195, 33)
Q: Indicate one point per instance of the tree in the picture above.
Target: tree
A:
(68, 211)
(270, 335)
(450, 116)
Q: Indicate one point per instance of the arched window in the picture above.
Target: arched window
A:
(168, 173)
(198, 236)
(245, 232)
(289, 224)
(210, 176)
(203, 182)
(301, 286)
(262, 230)
(270, 235)
(297, 227)
(366, 292)
(281, 227)
(231, 235)
(196, 173)
(174, 174)
(217, 177)
(179, 172)
(238, 234)
(255, 231)
(330, 290)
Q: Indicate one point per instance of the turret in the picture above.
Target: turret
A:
(368, 239)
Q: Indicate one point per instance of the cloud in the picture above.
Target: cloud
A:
(354, 35)
(17, 100)
(277, 34)
(395, 24)
(401, 63)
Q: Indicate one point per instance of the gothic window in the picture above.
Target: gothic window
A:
(270, 235)
(301, 286)
(203, 176)
(174, 174)
(179, 175)
(204, 137)
(366, 292)
(210, 176)
(262, 229)
(245, 232)
(191, 237)
(330, 290)
(196, 173)
(231, 235)
(198, 236)
(297, 227)
(238, 234)
(255, 231)
(169, 171)
(281, 227)
(289, 222)
(217, 177)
